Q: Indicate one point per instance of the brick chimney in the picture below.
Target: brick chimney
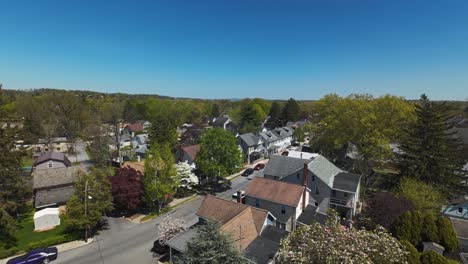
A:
(239, 196)
(304, 194)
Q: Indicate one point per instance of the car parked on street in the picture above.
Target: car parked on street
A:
(234, 195)
(247, 172)
(259, 166)
(36, 256)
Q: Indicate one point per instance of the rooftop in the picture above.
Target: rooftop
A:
(192, 150)
(55, 177)
(55, 156)
(275, 191)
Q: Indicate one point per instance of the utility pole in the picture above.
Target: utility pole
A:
(86, 210)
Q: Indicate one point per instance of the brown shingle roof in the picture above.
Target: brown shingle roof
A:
(135, 127)
(55, 156)
(244, 223)
(136, 165)
(192, 150)
(55, 177)
(275, 191)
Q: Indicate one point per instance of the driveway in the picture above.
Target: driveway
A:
(126, 242)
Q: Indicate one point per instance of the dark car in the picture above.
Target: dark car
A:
(259, 166)
(36, 256)
(247, 172)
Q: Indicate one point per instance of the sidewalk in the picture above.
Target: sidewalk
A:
(61, 248)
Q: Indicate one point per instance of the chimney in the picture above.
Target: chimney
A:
(239, 196)
(304, 194)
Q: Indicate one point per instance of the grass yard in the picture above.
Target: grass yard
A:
(26, 161)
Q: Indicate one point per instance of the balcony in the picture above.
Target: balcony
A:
(340, 202)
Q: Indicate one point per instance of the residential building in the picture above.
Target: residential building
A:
(461, 229)
(251, 146)
(252, 229)
(277, 140)
(187, 153)
(458, 208)
(51, 160)
(133, 129)
(225, 123)
(284, 200)
(329, 186)
(54, 186)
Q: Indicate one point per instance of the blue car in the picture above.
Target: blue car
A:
(36, 256)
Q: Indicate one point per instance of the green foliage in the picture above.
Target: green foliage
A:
(163, 129)
(370, 124)
(99, 150)
(429, 228)
(219, 154)
(7, 229)
(448, 237)
(98, 202)
(430, 150)
(291, 111)
(431, 257)
(211, 246)
(424, 196)
(413, 256)
(403, 228)
(275, 116)
(252, 116)
(215, 110)
(299, 134)
(159, 180)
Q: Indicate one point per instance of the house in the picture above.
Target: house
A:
(125, 140)
(225, 123)
(329, 186)
(277, 140)
(458, 208)
(46, 219)
(51, 160)
(461, 229)
(284, 200)
(54, 186)
(252, 229)
(140, 146)
(58, 144)
(251, 146)
(187, 153)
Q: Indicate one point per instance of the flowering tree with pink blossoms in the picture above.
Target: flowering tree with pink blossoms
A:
(334, 243)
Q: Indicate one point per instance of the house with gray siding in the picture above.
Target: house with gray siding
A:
(276, 140)
(329, 186)
(251, 146)
(51, 160)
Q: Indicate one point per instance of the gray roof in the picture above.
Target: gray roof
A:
(53, 196)
(180, 242)
(324, 169)
(55, 177)
(282, 166)
(265, 246)
(55, 156)
(346, 181)
(250, 139)
(310, 215)
(125, 138)
(268, 136)
(219, 122)
(141, 139)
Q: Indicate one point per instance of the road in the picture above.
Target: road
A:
(126, 242)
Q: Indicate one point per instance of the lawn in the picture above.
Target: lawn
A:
(26, 161)
(27, 239)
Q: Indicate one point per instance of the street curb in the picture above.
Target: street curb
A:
(60, 247)
(191, 198)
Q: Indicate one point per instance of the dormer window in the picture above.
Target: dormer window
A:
(460, 210)
(50, 164)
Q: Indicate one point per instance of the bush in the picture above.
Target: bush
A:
(413, 256)
(431, 257)
(403, 227)
(448, 237)
(429, 228)
(8, 252)
(424, 196)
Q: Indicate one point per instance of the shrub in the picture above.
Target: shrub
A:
(8, 252)
(448, 237)
(403, 227)
(429, 228)
(431, 257)
(413, 256)
(385, 207)
(424, 196)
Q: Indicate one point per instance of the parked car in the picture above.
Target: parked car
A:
(259, 166)
(36, 256)
(234, 195)
(247, 172)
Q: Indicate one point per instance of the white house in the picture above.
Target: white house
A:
(46, 219)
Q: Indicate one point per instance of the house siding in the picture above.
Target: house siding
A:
(55, 165)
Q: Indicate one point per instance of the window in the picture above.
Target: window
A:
(313, 177)
(345, 194)
(317, 190)
(333, 193)
(257, 202)
(297, 175)
(283, 209)
(316, 203)
(50, 164)
(460, 210)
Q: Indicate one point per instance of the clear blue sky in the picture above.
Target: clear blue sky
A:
(238, 48)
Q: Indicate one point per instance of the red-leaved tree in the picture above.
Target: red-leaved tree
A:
(384, 208)
(127, 189)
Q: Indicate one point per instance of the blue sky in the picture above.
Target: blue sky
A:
(238, 48)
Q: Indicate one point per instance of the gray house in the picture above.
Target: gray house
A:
(51, 160)
(284, 200)
(329, 186)
(251, 146)
(276, 140)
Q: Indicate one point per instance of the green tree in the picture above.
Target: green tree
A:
(219, 154)
(215, 112)
(252, 116)
(432, 257)
(7, 229)
(211, 246)
(100, 153)
(402, 228)
(163, 129)
(448, 237)
(160, 178)
(369, 124)
(429, 228)
(413, 256)
(98, 200)
(291, 111)
(424, 196)
(274, 119)
(299, 134)
(430, 150)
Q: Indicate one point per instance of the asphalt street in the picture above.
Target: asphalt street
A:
(127, 242)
